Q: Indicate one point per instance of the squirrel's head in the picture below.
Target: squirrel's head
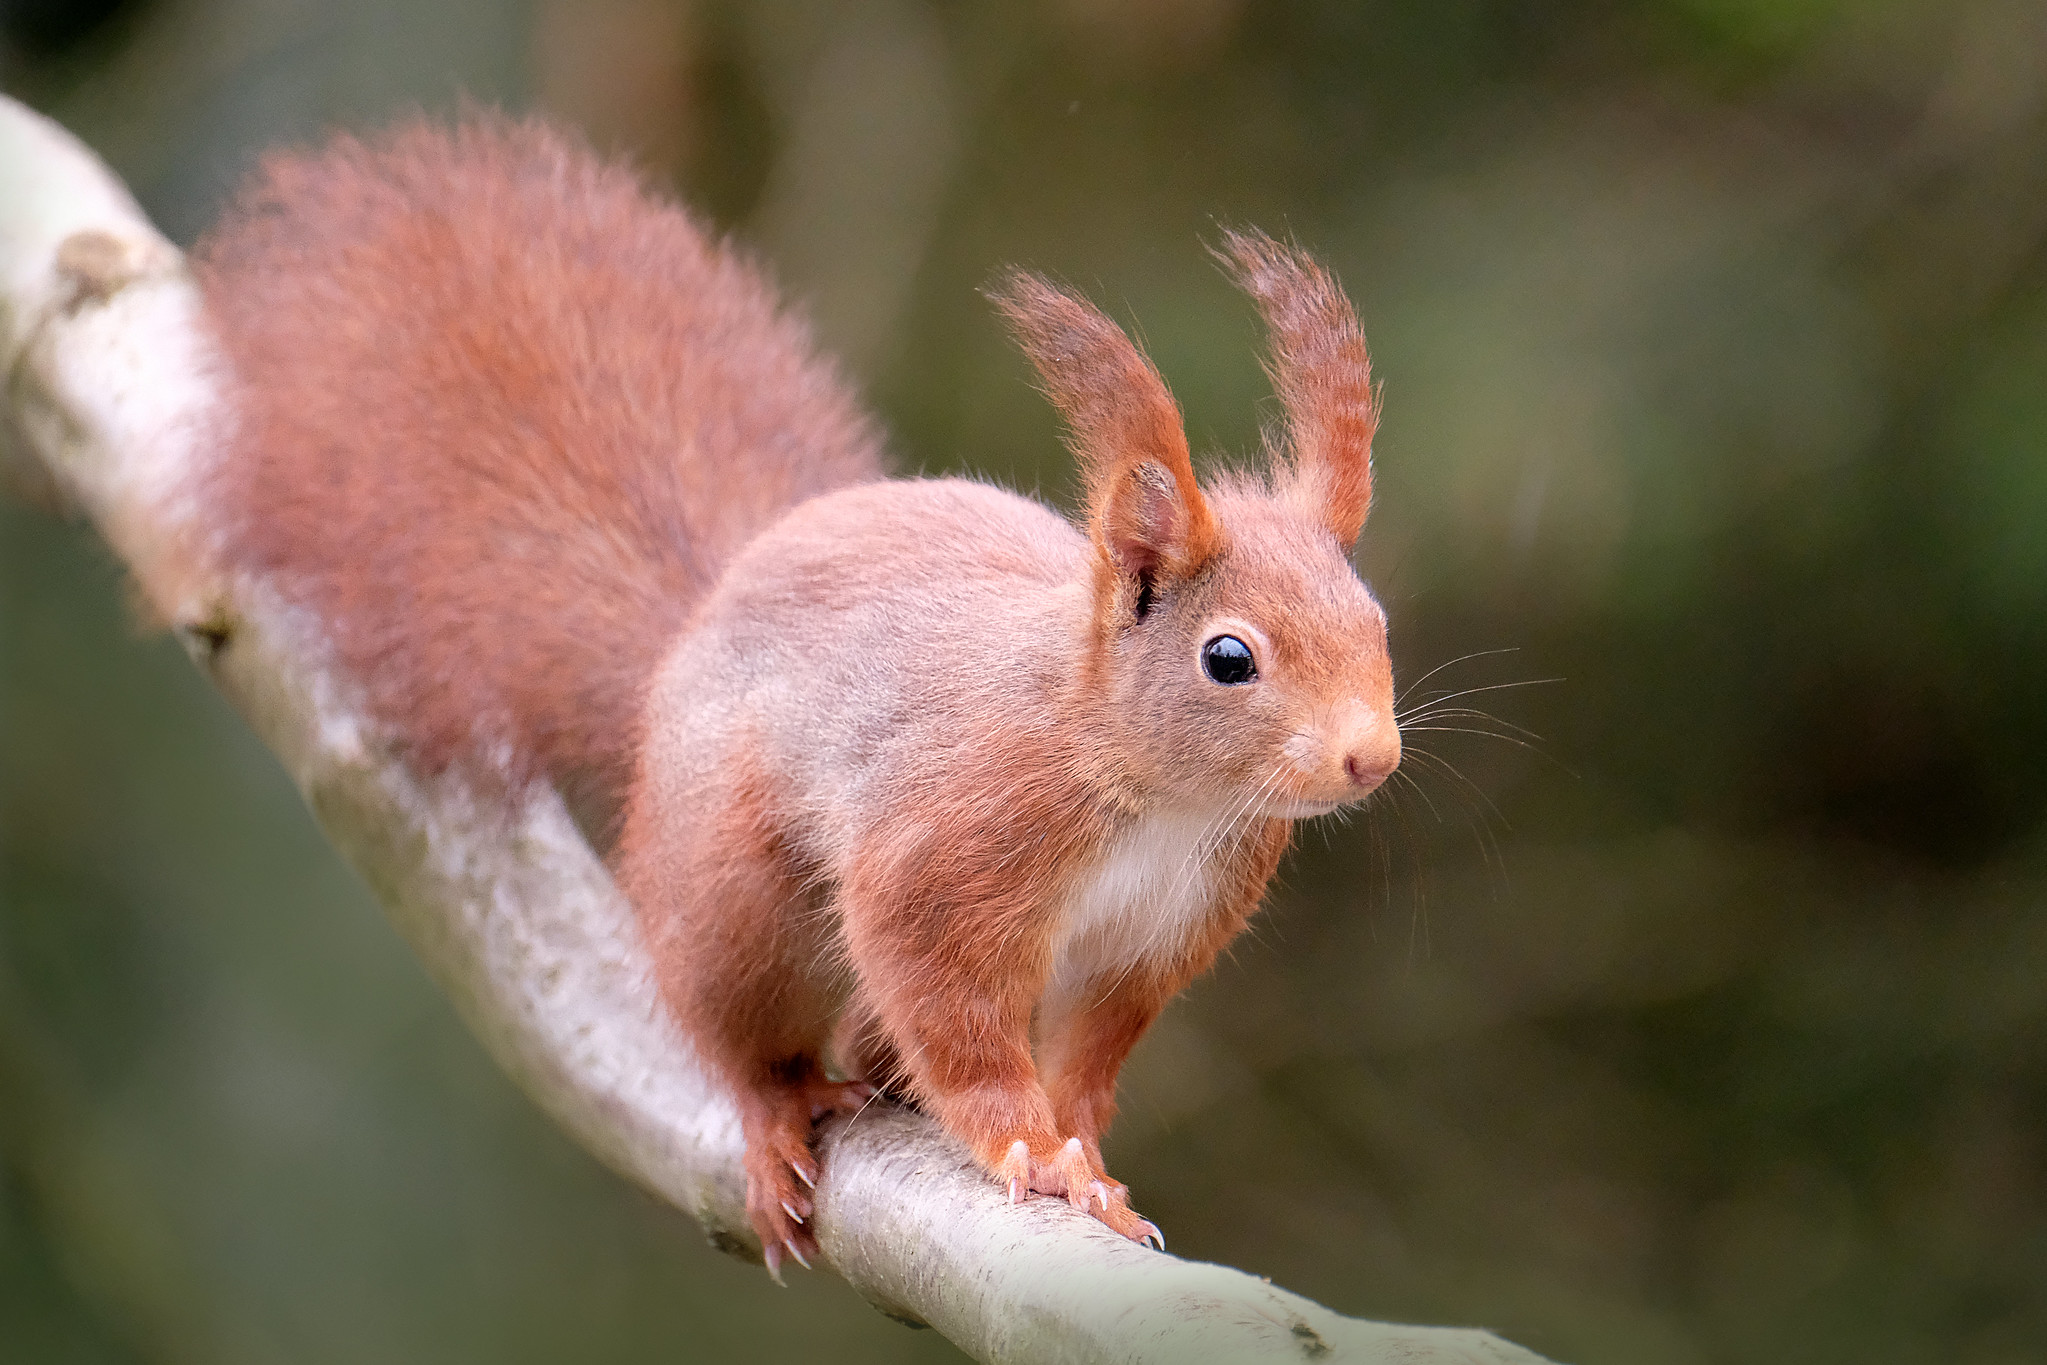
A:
(1242, 660)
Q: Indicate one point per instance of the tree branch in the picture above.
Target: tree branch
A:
(108, 404)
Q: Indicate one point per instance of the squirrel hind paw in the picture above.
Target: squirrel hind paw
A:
(781, 1180)
(784, 1231)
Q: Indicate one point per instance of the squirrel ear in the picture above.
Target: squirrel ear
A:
(1146, 512)
(1145, 524)
(1322, 374)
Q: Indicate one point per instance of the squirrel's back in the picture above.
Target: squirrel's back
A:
(500, 417)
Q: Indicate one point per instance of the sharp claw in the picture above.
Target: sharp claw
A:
(1149, 1232)
(1019, 1158)
(790, 1209)
(793, 1251)
(1101, 1193)
(772, 1254)
(803, 1175)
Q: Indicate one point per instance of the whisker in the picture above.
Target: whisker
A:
(1454, 771)
(1418, 916)
(1490, 687)
(1476, 654)
(1468, 730)
(1471, 713)
(1408, 778)
(1483, 809)
(1522, 737)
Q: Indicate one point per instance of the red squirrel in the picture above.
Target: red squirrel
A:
(921, 785)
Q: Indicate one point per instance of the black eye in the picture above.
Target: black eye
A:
(1227, 660)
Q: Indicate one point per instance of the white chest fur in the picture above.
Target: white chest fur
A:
(1149, 891)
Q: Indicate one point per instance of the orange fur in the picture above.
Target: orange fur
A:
(1322, 372)
(500, 418)
(575, 503)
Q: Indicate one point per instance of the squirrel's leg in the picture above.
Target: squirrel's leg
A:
(739, 948)
(952, 965)
(1085, 1037)
(1086, 1032)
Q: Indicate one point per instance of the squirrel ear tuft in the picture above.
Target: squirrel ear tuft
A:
(1146, 512)
(1322, 374)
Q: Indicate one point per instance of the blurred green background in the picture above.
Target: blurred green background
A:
(1713, 1027)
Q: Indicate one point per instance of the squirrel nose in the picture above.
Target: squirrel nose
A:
(1372, 759)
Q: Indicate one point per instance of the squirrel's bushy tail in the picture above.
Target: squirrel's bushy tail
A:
(498, 418)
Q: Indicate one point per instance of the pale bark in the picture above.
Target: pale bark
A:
(108, 405)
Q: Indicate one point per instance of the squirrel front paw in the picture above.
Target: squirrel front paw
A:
(1068, 1173)
(1114, 1209)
